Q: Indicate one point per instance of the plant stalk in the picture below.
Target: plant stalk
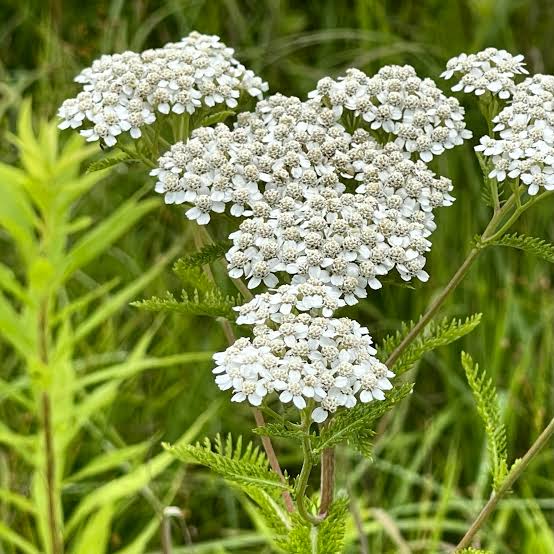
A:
(327, 480)
(307, 465)
(517, 469)
(56, 542)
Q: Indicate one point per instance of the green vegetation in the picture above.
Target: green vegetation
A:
(113, 382)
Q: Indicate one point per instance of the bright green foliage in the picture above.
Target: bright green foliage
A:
(474, 551)
(201, 296)
(532, 245)
(353, 426)
(436, 334)
(285, 430)
(44, 328)
(110, 161)
(486, 399)
(244, 467)
(326, 538)
(213, 303)
(206, 255)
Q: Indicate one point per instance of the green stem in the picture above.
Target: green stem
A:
(307, 465)
(56, 541)
(517, 469)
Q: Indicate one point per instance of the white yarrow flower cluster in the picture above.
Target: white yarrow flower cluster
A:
(327, 361)
(525, 147)
(423, 120)
(124, 92)
(490, 70)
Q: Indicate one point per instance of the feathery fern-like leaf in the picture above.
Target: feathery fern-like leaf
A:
(486, 400)
(212, 303)
(533, 245)
(245, 468)
(208, 254)
(326, 538)
(436, 334)
(353, 426)
(110, 161)
(280, 430)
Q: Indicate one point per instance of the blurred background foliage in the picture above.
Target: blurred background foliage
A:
(428, 476)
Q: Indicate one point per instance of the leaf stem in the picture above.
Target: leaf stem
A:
(515, 472)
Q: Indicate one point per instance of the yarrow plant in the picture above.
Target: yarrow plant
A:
(329, 198)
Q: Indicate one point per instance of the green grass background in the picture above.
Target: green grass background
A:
(429, 471)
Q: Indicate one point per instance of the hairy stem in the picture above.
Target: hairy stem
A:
(327, 480)
(56, 543)
(516, 471)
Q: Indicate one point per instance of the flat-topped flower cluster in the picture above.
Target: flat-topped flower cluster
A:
(332, 193)
(125, 92)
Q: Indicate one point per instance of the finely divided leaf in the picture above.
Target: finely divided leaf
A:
(208, 254)
(486, 399)
(353, 426)
(435, 335)
(110, 161)
(533, 245)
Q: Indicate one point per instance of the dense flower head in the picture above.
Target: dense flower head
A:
(490, 70)
(124, 92)
(345, 240)
(525, 147)
(312, 296)
(415, 111)
(286, 144)
(330, 362)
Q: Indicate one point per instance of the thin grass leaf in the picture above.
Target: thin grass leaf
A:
(13, 538)
(94, 539)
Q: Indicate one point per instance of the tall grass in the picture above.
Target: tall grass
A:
(429, 474)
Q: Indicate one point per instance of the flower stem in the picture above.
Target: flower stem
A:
(516, 471)
(327, 480)
(307, 465)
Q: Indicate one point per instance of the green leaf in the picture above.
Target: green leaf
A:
(109, 460)
(14, 330)
(135, 480)
(213, 303)
(19, 501)
(105, 234)
(114, 303)
(436, 334)
(95, 537)
(353, 426)
(208, 254)
(486, 400)
(132, 367)
(326, 538)
(214, 118)
(110, 161)
(228, 458)
(11, 537)
(280, 430)
(532, 245)
(244, 468)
